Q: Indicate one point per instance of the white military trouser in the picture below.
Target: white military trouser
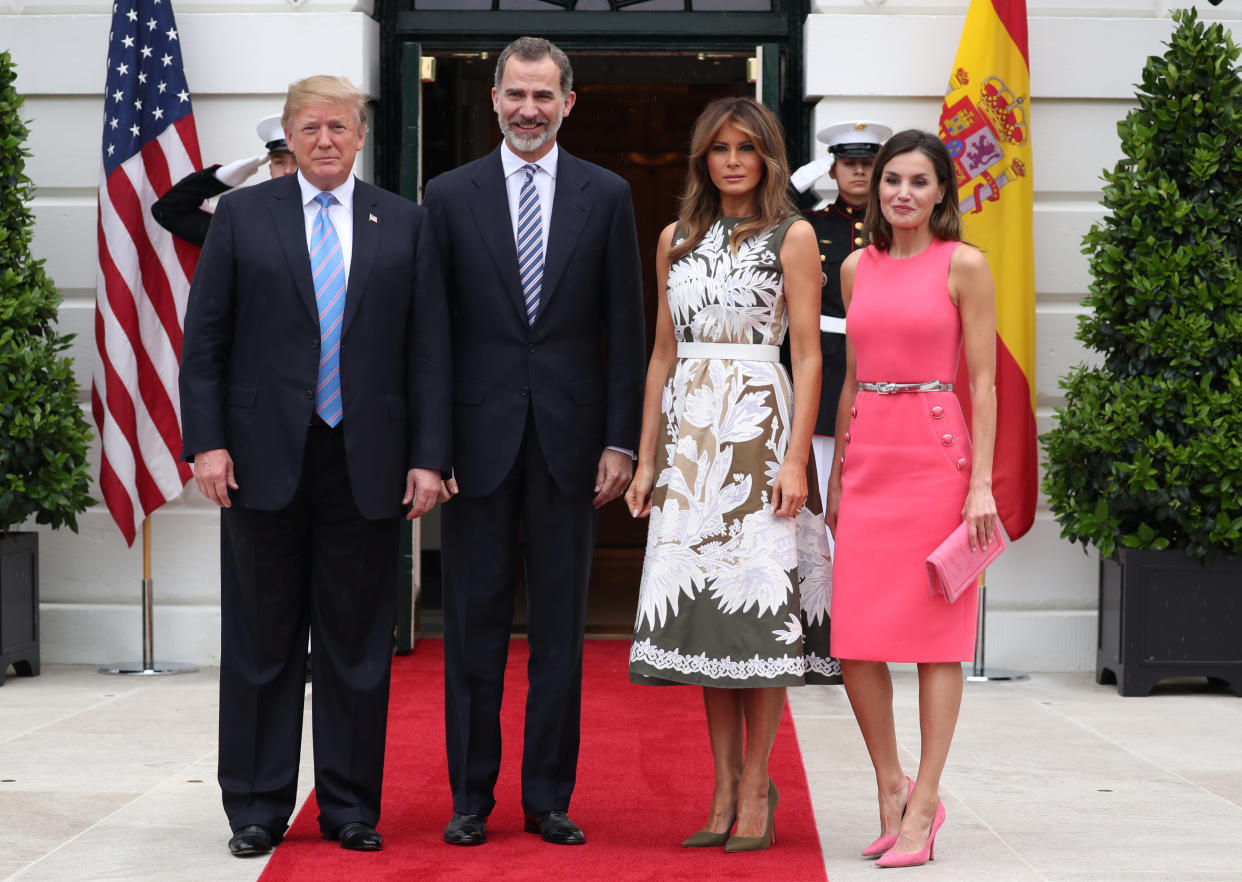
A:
(822, 446)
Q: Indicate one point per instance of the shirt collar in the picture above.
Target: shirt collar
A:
(344, 194)
(511, 162)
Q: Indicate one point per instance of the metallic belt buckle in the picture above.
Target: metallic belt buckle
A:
(886, 388)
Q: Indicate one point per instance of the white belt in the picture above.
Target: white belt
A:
(734, 351)
(830, 324)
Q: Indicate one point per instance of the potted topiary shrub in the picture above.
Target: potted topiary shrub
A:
(44, 437)
(1145, 459)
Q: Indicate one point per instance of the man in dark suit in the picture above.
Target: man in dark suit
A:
(314, 401)
(541, 262)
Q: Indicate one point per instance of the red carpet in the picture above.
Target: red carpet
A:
(644, 784)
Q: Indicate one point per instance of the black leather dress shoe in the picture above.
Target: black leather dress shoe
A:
(357, 836)
(466, 830)
(252, 841)
(555, 827)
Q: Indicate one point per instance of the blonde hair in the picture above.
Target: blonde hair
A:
(324, 89)
(700, 200)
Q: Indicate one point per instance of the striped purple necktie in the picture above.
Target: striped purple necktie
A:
(328, 272)
(530, 242)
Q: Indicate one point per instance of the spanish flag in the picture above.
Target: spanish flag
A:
(986, 127)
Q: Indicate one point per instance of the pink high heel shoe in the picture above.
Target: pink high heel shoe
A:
(884, 843)
(917, 858)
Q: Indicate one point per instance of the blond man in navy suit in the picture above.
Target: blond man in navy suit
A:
(314, 393)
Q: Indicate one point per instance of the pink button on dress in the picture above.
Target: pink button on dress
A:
(906, 469)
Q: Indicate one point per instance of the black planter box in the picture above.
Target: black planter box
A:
(19, 604)
(1163, 614)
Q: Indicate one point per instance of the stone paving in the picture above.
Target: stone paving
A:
(1054, 779)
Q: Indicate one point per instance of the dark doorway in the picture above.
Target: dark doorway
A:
(633, 116)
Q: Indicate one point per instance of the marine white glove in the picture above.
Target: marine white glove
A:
(804, 177)
(236, 172)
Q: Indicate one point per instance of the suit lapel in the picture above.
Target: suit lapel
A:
(366, 240)
(290, 225)
(570, 207)
(489, 203)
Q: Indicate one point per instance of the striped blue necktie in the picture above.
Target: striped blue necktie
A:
(530, 242)
(328, 272)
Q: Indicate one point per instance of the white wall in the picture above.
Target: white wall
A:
(889, 60)
(239, 59)
(882, 59)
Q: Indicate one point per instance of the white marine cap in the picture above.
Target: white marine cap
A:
(861, 137)
(272, 134)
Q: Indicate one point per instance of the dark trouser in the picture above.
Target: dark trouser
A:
(318, 563)
(479, 554)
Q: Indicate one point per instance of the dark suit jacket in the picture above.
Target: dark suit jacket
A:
(839, 229)
(249, 362)
(580, 367)
(180, 210)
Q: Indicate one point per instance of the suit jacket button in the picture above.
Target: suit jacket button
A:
(961, 465)
(530, 348)
(525, 391)
(314, 344)
(310, 394)
(946, 440)
(937, 413)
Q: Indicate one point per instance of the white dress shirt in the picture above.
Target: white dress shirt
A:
(545, 185)
(544, 180)
(342, 215)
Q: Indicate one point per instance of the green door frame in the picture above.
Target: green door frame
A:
(405, 33)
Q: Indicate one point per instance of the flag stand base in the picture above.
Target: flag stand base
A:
(154, 669)
(147, 667)
(980, 673)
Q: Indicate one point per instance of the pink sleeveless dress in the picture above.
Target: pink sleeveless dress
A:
(906, 470)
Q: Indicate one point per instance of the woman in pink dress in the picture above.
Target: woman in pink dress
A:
(906, 472)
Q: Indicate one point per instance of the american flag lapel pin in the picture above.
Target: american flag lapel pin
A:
(372, 218)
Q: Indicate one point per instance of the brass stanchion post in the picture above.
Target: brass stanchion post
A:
(148, 666)
(981, 673)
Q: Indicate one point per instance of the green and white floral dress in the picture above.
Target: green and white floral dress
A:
(731, 596)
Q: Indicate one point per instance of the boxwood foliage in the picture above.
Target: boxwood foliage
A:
(43, 435)
(1147, 451)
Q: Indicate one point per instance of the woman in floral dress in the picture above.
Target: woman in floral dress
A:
(736, 581)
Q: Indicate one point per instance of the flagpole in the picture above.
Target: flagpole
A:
(980, 673)
(148, 666)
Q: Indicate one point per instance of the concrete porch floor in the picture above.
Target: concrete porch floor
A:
(105, 777)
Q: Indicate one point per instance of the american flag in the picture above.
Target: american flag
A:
(149, 143)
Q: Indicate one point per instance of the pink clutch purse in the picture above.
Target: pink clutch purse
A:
(953, 567)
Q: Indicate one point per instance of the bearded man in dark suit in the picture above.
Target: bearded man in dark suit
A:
(314, 401)
(541, 263)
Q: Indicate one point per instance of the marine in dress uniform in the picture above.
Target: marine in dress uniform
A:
(852, 147)
(180, 210)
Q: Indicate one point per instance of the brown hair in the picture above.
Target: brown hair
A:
(700, 200)
(535, 49)
(946, 217)
(322, 88)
